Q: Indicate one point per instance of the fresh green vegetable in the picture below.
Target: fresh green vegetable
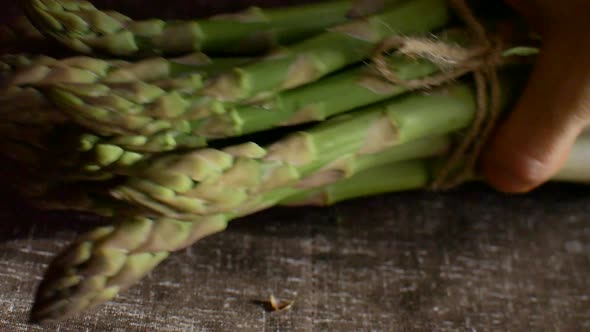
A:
(82, 27)
(172, 129)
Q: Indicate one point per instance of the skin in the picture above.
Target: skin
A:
(535, 141)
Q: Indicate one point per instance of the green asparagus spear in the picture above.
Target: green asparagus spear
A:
(210, 181)
(303, 63)
(82, 27)
(26, 106)
(339, 93)
(107, 261)
(388, 178)
(342, 92)
(310, 103)
(110, 259)
(120, 152)
(353, 88)
(417, 174)
(80, 197)
(208, 188)
(328, 52)
(41, 70)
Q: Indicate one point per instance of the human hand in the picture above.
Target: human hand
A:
(535, 140)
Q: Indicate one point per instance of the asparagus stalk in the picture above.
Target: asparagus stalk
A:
(417, 174)
(313, 102)
(339, 93)
(31, 120)
(44, 70)
(393, 177)
(208, 188)
(110, 259)
(97, 199)
(82, 27)
(232, 183)
(209, 181)
(24, 75)
(99, 155)
(190, 195)
(107, 261)
(28, 109)
(346, 91)
(301, 64)
(370, 175)
(328, 52)
(330, 96)
(135, 109)
(333, 95)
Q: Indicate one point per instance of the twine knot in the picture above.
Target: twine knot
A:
(480, 59)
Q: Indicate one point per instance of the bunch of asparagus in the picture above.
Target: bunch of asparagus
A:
(173, 129)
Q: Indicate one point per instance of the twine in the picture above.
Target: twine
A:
(481, 60)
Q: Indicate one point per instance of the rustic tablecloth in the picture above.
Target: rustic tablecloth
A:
(470, 260)
(467, 260)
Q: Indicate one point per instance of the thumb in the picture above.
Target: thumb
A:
(536, 139)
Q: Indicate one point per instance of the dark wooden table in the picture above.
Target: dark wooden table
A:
(467, 260)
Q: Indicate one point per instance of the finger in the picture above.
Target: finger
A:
(534, 142)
